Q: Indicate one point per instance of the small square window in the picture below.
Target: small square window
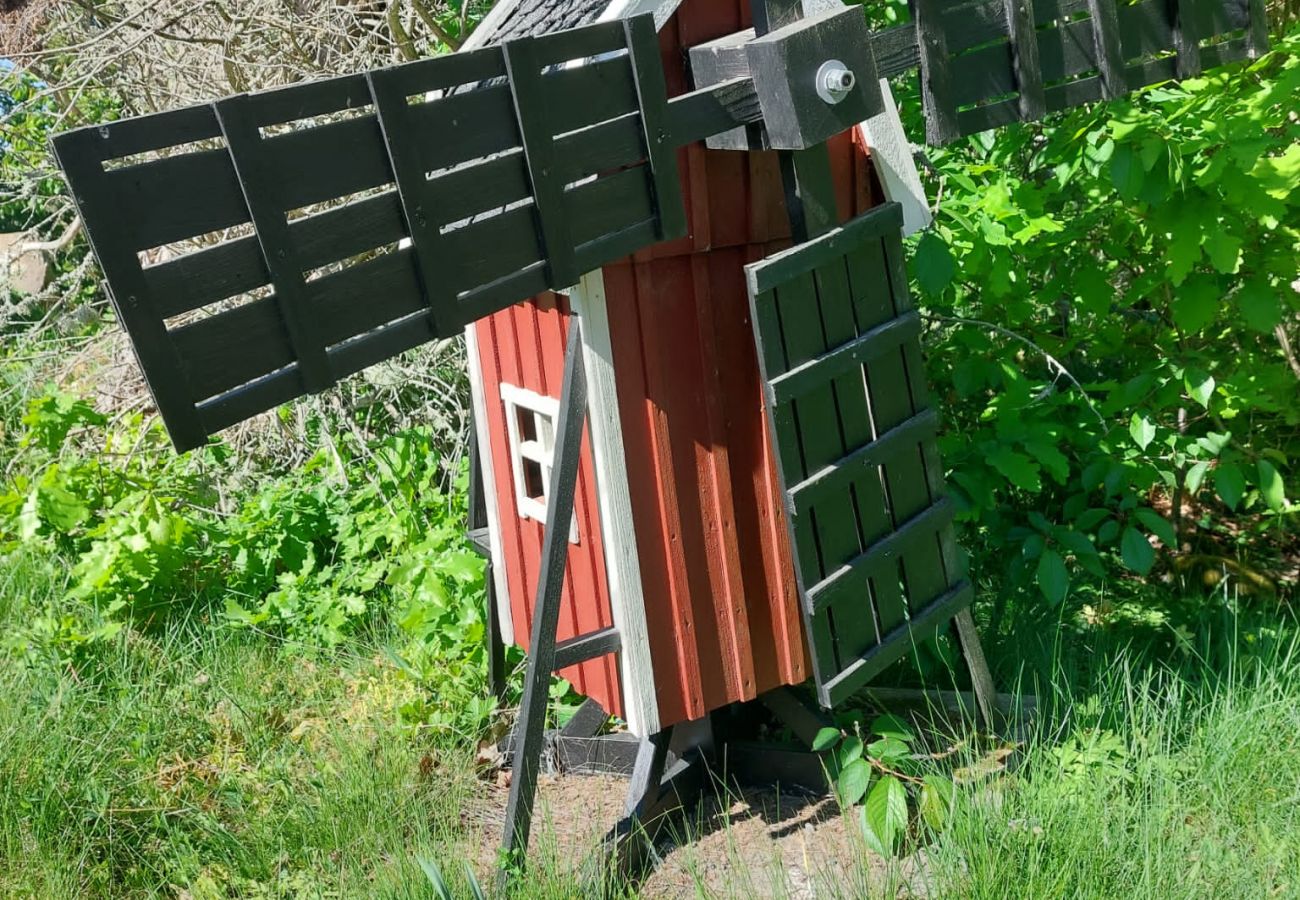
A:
(530, 423)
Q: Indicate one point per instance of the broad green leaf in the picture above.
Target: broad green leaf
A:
(934, 264)
(853, 782)
(825, 739)
(849, 750)
(1230, 484)
(1196, 303)
(1260, 305)
(1051, 459)
(1200, 386)
(1224, 250)
(1142, 429)
(1019, 469)
(1094, 290)
(1126, 172)
(938, 796)
(890, 725)
(1053, 579)
(1157, 525)
(869, 836)
(1196, 477)
(886, 811)
(1182, 254)
(889, 750)
(1136, 551)
(1271, 487)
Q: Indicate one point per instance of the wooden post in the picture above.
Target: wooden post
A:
(981, 678)
(529, 731)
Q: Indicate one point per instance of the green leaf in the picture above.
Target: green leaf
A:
(1224, 250)
(1019, 469)
(934, 264)
(889, 750)
(1271, 487)
(1200, 386)
(1157, 525)
(853, 782)
(938, 796)
(849, 750)
(1195, 477)
(869, 836)
(1260, 305)
(1230, 484)
(892, 726)
(1053, 579)
(1126, 172)
(886, 811)
(1196, 303)
(1183, 253)
(1136, 551)
(1142, 429)
(825, 739)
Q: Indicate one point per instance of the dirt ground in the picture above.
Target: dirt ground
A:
(752, 843)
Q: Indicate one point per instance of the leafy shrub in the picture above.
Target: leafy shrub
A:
(1114, 302)
(359, 535)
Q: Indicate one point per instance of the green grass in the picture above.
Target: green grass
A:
(1162, 781)
(1166, 763)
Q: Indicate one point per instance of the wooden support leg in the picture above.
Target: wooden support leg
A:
(647, 775)
(496, 649)
(479, 538)
(587, 721)
(529, 732)
(981, 678)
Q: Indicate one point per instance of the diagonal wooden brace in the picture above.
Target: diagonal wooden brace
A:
(530, 730)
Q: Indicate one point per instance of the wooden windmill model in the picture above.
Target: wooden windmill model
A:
(707, 463)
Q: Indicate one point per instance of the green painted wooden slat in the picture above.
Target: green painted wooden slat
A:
(840, 356)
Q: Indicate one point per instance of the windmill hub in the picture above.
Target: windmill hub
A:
(835, 81)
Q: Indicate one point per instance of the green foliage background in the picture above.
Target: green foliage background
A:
(1111, 299)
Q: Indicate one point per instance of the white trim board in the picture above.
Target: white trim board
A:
(622, 562)
(891, 153)
(488, 479)
(481, 33)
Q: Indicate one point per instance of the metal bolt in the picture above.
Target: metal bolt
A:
(835, 81)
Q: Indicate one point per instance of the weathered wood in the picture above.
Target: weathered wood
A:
(431, 259)
(652, 94)
(712, 110)
(843, 359)
(1106, 45)
(585, 647)
(1187, 38)
(981, 678)
(550, 583)
(785, 64)
(936, 82)
(196, 279)
(1024, 54)
(79, 154)
(587, 721)
(578, 96)
(896, 645)
(538, 138)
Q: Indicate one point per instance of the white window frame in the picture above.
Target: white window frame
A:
(517, 400)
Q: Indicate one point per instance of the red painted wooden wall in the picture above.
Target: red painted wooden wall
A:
(719, 585)
(524, 346)
(721, 606)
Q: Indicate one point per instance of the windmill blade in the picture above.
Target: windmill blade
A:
(266, 245)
